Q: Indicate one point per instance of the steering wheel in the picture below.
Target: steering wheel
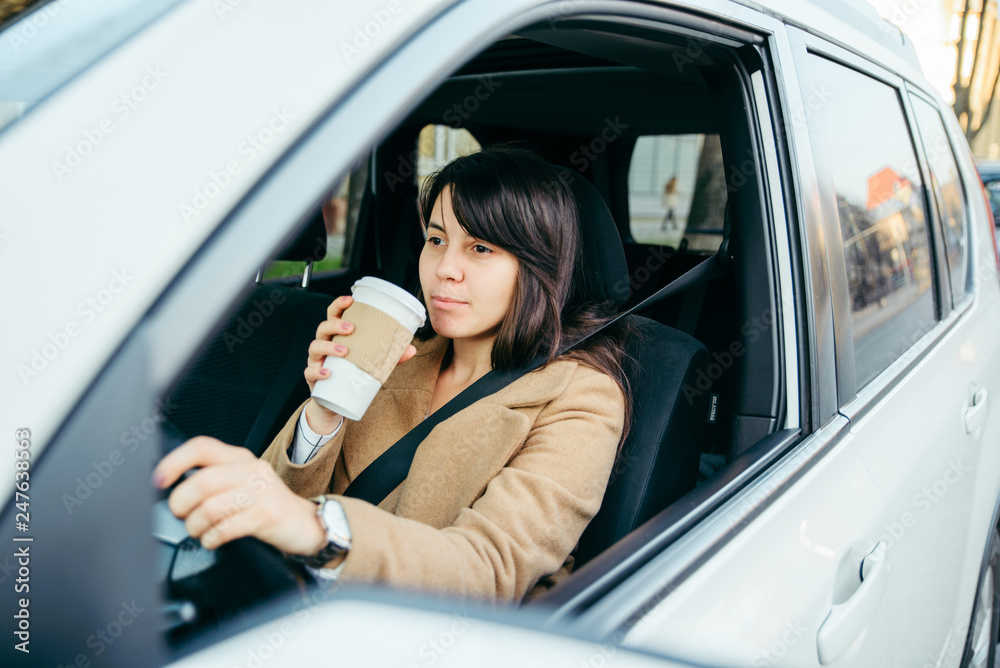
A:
(212, 585)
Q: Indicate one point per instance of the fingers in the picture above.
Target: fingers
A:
(318, 352)
(221, 518)
(198, 451)
(211, 481)
(319, 349)
(333, 327)
(274, 514)
(338, 306)
(229, 529)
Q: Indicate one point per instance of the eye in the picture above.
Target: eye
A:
(482, 250)
(435, 241)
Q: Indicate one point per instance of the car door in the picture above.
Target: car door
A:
(96, 593)
(768, 571)
(914, 357)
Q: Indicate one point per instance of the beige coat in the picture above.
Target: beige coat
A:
(497, 496)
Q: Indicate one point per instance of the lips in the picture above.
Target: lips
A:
(446, 302)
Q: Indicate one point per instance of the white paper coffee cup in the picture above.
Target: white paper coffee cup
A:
(349, 390)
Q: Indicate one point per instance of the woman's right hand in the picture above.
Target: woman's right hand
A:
(323, 346)
(323, 420)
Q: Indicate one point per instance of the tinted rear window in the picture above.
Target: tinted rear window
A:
(864, 150)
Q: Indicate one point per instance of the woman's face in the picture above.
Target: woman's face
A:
(468, 284)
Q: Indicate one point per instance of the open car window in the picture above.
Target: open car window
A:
(511, 93)
(577, 96)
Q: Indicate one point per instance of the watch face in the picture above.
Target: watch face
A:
(337, 529)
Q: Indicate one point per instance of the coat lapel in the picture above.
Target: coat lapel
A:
(397, 408)
(461, 455)
(458, 458)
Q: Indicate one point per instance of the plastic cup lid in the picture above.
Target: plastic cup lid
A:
(394, 291)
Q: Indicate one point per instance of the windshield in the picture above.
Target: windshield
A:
(44, 48)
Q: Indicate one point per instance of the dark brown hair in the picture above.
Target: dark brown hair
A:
(511, 198)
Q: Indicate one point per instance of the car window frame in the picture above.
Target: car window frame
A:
(301, 175)
(666, 550)
(855, 402)
(777, 447)
(267, 203)
(963, 305)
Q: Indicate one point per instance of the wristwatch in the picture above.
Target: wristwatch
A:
(333, 519)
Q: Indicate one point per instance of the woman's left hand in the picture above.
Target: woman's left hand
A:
(235, 494)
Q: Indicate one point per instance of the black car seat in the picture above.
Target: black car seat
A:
(248, 380)
(659, 459)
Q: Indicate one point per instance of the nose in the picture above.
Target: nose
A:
(449, 268)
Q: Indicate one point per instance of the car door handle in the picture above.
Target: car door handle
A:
(976, 411)
(847, 620)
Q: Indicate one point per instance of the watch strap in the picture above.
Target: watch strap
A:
(336, 545)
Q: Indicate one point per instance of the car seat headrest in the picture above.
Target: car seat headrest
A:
(309, 245)
(604, 257)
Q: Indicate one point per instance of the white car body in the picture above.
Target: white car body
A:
(103, 247)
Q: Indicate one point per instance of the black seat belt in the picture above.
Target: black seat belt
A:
(390, 469)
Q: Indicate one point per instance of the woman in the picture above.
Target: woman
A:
(669, 201)
(497, 495)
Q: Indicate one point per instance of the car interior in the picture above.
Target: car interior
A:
(618, 107)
